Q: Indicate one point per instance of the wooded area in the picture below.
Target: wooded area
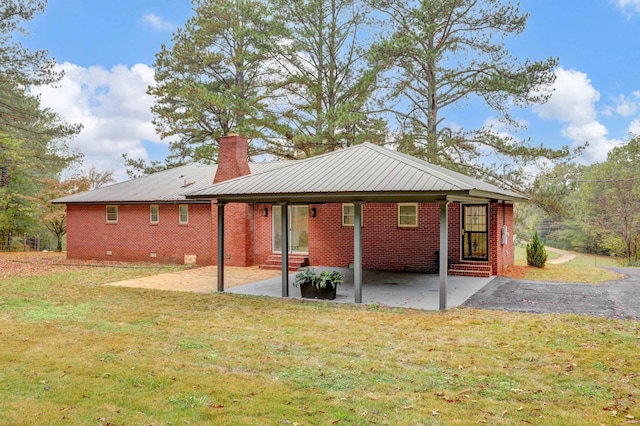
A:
(590, 209)
(34, 147)
(307, 77)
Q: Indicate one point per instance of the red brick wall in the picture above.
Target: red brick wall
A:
(248, 235)
(133, 238)
(239, 234)
(386, 246)
(232, 158)
(454, 234)
(262, 233)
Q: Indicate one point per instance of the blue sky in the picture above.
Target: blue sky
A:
(107, 48)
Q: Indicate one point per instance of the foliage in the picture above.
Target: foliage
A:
(326, 85)
(445, 53)
(551, 190)
(53, 216)
(609, 200)
(324, 279)
(213, 79)
(306, 77)
(33, 140)
(536, 253)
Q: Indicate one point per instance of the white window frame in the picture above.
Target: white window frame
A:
(180, 215)
(114, 211)
(151, 213)
(352, 215)
(414, 224)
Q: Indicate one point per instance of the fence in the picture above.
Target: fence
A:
(25, 242)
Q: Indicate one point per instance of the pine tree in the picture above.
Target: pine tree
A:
(536, 253)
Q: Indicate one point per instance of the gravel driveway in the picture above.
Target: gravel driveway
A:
(615, 299)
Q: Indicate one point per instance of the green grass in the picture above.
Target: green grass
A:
(583, 268)
(75, 352)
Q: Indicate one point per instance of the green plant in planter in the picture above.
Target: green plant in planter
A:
(323, 280)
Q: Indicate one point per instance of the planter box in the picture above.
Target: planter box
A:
(310, 292)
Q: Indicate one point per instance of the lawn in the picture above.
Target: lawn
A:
(76, 352)
(583, 268)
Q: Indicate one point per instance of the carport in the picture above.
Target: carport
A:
(360, 174)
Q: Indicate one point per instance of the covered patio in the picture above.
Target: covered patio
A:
(358, 175)
(394, 289)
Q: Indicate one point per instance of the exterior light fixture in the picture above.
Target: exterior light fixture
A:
(314, 212)
(265, 212)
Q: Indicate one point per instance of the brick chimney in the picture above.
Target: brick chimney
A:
(232, 158)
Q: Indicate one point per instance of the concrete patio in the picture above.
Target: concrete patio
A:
(397, 289)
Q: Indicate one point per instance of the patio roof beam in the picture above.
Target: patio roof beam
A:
(346, 197)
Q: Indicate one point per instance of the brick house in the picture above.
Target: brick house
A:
(173, 216)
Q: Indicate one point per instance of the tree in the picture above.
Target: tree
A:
(33, 139)
(213, 80)
(609, 198)
(53, 216)
(536, 253)
(551, 190)
(326, 84)
(443, 53)
(20, 69)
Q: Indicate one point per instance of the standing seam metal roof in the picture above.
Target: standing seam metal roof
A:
(360, 169)
(167, 186)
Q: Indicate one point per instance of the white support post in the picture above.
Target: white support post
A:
(357, 251)
(444, 253)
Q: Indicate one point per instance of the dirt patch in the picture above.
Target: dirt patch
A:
(515, 271)
(200, 280)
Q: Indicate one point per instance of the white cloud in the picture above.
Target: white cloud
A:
(157, 22)
(624, 105)
(634, 127)
(574, 102)
(573, 98)
(634, 5)
(114, 109)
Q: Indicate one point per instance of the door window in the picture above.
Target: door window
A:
(475, 232)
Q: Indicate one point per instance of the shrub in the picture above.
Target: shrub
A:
(536, 254)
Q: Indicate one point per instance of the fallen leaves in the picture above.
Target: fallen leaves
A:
(32, 264)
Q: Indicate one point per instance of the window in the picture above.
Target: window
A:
(408, 215)
(183, 210)
(475, 232)
(348, 214)
(154, 213)
(112, 214)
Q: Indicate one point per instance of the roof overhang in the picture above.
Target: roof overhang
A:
(133, 203)
(347, 197)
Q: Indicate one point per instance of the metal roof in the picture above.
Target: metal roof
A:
(167, 186)
(363, 172)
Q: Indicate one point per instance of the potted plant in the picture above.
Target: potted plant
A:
(318, 286)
